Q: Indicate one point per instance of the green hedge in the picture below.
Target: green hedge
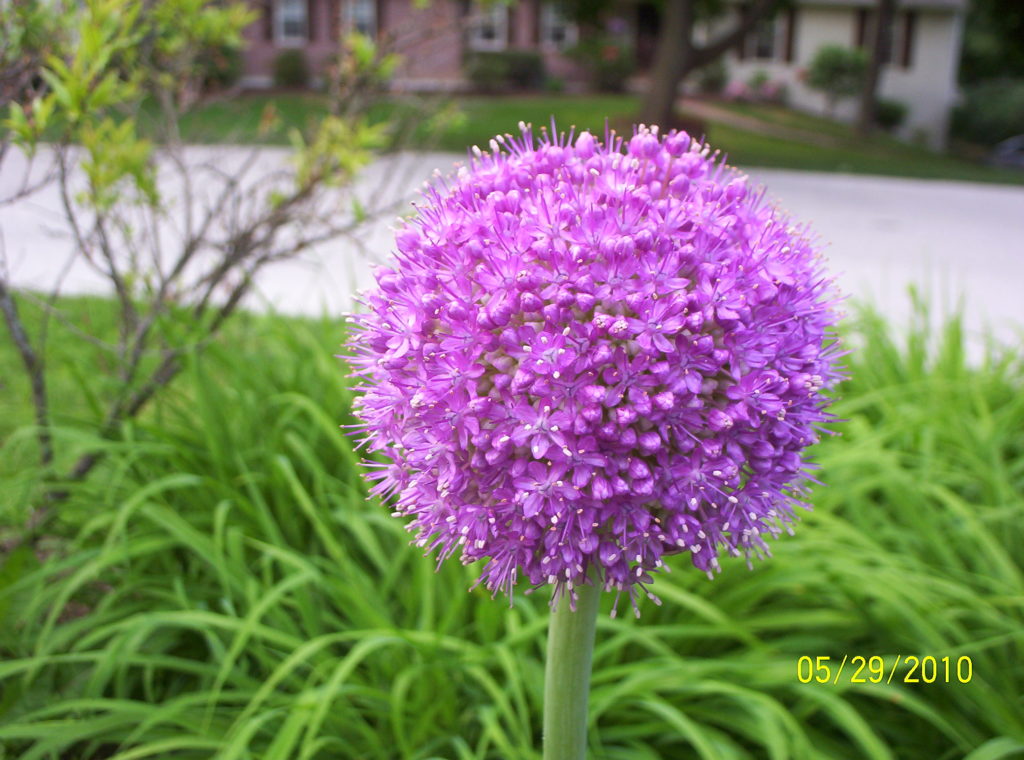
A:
(889, 114)
(291, 69)
(609, 60)
(221, 67)
(504, 71)
(990, 112)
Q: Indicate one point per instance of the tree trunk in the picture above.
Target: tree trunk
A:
(676, 56)
(672, 59)
(880, 42)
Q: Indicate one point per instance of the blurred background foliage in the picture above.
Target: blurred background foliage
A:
(991, 72)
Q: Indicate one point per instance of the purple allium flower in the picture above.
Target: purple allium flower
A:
(590, 355)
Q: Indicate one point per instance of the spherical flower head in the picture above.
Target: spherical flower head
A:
(589, 355)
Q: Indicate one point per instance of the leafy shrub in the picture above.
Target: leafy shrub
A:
(526, 69)
(554, 85)
(761, 88)
(607, 58)
(758, 79)
(838, 72)
(505, 70)
(889, 114)
(990, 112)
(359, 70)
(220, 67)
(291, 69)
(486, 72)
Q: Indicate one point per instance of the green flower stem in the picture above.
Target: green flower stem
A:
(567, 675)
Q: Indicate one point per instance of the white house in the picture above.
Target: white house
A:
(432, 38)
(924, 54)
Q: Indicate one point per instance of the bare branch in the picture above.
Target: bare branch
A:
(198, 252)
(26, 186)
(35, 368)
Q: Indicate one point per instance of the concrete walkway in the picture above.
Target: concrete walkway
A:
(709, 111)
(881, 235)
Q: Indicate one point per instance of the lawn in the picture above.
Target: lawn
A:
(222, 587)
(481, 118)
(880, 154)
(787, 117)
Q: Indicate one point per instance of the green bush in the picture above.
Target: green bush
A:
(758, 80)
(486, 72)
(838, 72)
(506, 70)
(225, 589)
(221, 67)
(889, 114)
(990, 112)
(554, 85)
(608, 60)
(291, 69)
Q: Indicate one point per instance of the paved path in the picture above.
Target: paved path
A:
(951, 239)
(709, 111)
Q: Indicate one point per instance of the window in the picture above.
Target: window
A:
(292, 25)
(770, 39)
(898, 40)
(762, 42)
(360, 16)
(488, 27)
(556, 31)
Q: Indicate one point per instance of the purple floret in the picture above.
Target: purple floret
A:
(590, 355)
